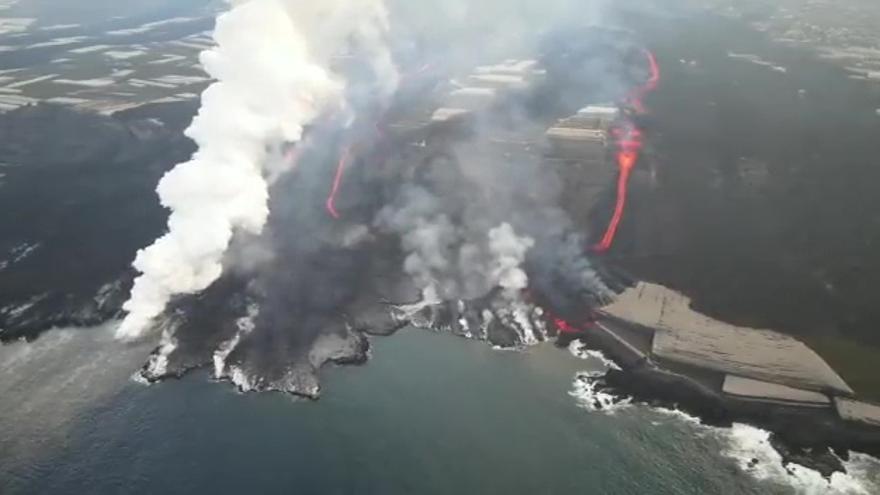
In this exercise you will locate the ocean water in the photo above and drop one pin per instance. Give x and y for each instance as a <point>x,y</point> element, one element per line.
<point>430,413</point>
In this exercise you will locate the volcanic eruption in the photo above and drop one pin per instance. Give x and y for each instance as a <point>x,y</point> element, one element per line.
<point>325,205</point>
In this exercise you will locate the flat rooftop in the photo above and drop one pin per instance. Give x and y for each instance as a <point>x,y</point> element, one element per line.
<point>756,390</point>
<point>860,412</point>
<point>576,134</point>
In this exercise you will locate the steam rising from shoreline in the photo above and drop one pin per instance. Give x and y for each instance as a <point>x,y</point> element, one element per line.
<point>272,64</point>
<point>454,261</point>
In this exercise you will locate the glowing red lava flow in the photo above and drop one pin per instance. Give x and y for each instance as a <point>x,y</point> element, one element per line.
<point>635,98</point>
<point>337,181</point>
<point>346,153</point>
<point>629,146</point>
<point>340,172</point>
<point>565,327</point>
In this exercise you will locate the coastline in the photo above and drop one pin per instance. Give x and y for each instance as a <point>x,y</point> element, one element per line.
<point>813,433</point>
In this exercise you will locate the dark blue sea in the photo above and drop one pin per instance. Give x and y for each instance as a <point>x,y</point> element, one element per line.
<point>430,413</point>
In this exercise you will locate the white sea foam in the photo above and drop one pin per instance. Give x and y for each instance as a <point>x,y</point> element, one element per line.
<point>586,383</point>
<point>746,444</point>
<point>579,350</point>
<point>679,415</point>
<point>742,443</point>
<point>586,391</point>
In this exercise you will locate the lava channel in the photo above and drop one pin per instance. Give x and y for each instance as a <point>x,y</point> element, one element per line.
<point>628,139</point>
<point>337,181</point>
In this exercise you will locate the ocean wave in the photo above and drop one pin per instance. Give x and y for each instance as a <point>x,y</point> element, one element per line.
<point>747,445</point>
<point>678,414</point>
<point>580,350</point>
<point>587,384</point>
<point>590,396</point>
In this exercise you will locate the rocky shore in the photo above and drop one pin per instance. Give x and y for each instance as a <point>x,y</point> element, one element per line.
<point>816,439</point>
<point>818,434</point>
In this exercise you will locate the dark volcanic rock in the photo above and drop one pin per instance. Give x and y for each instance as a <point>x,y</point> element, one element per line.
<point>494,318</point>
<point>375,318</point>
<point>500,334</point>
<point>77,192</point>
<point>821,459</point>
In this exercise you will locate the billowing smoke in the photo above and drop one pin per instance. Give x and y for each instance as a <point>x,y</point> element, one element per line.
<point>272,64</point>
<point>444,215</point>
<point>508,252</point>
<point>323,236</point>
<point>472,222</point>
<point>450,261</point>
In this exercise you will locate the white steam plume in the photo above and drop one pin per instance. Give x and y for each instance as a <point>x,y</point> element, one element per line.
<point>272,64</point>
<point>508,254</point>
<point>448,261</point>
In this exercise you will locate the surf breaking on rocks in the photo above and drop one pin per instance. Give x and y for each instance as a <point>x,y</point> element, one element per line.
<point>749,447</point>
